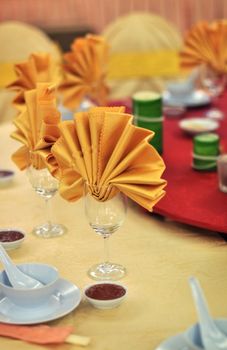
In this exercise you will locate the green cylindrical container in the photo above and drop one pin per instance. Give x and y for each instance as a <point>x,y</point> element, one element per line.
<point>147,110</point>
<point>206,150</point>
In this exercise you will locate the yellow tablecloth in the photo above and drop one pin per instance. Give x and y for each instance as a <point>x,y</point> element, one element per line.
<point>159,255</point>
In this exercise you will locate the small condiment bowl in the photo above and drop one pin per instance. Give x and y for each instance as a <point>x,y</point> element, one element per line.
<point>6,177</point>
<point>46,274</point>
<point>105,295</point>
<point>11,237</point>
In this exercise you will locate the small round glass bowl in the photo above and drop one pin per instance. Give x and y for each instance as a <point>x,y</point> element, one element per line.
<point>6,177</point>
<point>11,237</point>
<point>27,297</point>
<point>105,295</point>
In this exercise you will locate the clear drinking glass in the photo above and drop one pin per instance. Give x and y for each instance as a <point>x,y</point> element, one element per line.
<point>212,81</point>
<point>46,186</point>
<point>105,218</point>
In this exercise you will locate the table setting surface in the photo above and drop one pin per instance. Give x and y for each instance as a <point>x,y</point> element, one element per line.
<point>159,256</point>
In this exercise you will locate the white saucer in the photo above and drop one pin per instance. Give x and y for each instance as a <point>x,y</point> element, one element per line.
<point>65,300</point>
<point>197,98</point>
<point>198,125</point>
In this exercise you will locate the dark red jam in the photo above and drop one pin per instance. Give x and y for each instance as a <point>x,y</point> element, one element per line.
<point>5,173</point>
<point>10,236</point>
<point>105,291</point>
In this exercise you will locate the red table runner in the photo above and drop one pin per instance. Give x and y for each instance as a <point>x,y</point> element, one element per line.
<point>192,197</point>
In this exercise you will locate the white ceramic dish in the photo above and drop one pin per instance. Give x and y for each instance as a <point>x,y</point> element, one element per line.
<point>16,243</point>
<point>190,339</point>
<point>46,274</point>
<point>6,177</point>
<point>65,300</point>
<point>105,304</point>
<point>197,98</point>
<point>198,125</point>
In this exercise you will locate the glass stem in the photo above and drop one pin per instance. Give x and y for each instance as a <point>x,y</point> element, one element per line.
<point>48,212</point>
<point>106,249</point>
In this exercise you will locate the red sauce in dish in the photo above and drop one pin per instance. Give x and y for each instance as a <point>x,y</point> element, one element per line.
<point>105,291</point>
<point>5,173</point>
<point>10,236</point>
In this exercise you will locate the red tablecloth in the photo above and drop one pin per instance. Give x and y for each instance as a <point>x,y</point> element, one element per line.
<point>192,197</point>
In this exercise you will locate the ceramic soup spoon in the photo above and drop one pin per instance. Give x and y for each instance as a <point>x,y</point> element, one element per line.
<point>17,278</point>
<point>212,337</point>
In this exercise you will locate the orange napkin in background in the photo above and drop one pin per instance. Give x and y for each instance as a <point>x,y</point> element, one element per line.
<point>40,67</point>
<point>206,43</point>
<point>85,71</point>
<point>104,148</point>
<point>37,126</point>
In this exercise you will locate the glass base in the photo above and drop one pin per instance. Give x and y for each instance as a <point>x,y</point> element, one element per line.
<point>49,230</point>
<point>107,272</point>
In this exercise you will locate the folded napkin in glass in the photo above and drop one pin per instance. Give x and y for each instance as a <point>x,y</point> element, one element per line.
<point>36,126</point>
<point>104,149</point>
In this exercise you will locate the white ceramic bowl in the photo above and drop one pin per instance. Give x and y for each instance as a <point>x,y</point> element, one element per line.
<point>193,336</point>
<point>11,237</point>
<point>105,295</point>
<point>46,274</point>
<point>6,177</point>
<point>196,126</point>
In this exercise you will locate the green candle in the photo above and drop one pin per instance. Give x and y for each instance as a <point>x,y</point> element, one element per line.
<point>147,110</point>
<point>206,150</point>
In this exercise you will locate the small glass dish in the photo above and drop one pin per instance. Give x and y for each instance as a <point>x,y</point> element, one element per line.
<point>105,295</point>
<point>6,177</point>
<point>11,237</point>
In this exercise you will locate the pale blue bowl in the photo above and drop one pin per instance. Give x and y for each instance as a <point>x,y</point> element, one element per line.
<point>46,274</point>
<point>193,335</point>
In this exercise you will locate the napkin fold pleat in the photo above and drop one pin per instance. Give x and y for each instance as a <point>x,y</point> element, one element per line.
<point>37,127</point>
<point>103,149</point>
<point>84,70</point>
<point>39,68</point>
<point>206,43</point>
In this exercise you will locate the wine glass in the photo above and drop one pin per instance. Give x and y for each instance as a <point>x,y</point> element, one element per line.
<point>105,218</point>
<point>213,82</point>
<point>46,186</point>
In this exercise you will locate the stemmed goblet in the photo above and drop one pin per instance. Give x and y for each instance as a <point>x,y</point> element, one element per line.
<point>46,186</point>
<point>105,218</point>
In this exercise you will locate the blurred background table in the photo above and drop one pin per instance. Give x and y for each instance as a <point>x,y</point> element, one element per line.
<point>159,255</point>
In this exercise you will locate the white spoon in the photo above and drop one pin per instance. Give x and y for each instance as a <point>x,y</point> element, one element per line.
<point>212,337</point>
<point>17,278</point>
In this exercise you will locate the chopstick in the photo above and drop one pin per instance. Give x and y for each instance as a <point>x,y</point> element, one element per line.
<point>78,340</point>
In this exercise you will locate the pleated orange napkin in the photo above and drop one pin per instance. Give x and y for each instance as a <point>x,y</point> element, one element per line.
<point>104,148</point>
<point>206,43</point>
<point>40,67</point>
<point>85,71</point>
<point>36,126</point>
<point>43,334</point>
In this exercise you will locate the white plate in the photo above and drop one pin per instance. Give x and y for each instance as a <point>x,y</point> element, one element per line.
<point>66,299</point>
<point>198,125</point>
<point>197,98</point>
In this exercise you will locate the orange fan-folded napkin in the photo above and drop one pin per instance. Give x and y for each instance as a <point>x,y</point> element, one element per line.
<point>37,127</point>
<point>206,43</point>
<point>103,148</point>
<point>40,67</point>
<point>85,71</point>
<point>43,334</point>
